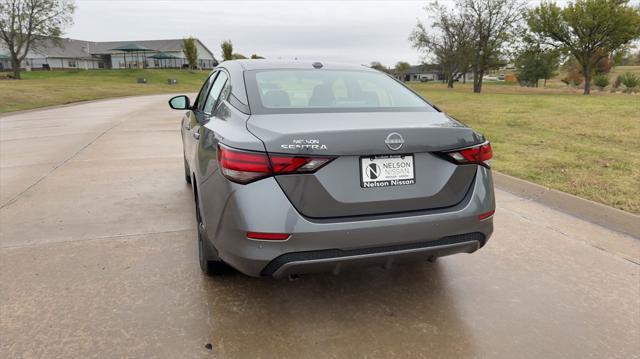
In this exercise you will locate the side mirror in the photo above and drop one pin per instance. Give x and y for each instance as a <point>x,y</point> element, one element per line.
<point>180,103</point>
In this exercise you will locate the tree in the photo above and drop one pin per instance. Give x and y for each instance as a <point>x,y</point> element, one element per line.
<point>190,50</point>
<point>401,68</point>
<point>534,63</point>
<point>255,56</point>
<point>227,50</point>
<point>25,23</point>
<point>495,23</point>
<point>451,45</point>
<point>589,30</point>
<point>378,66</point>
<point>628,58</point>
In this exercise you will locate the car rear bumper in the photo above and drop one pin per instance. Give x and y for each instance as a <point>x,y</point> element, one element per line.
<point>336,244</point>
<point>336,260</point>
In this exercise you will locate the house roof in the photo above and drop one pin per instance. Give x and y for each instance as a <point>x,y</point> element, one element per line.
<point>64,48</point>
<point>423,69</point>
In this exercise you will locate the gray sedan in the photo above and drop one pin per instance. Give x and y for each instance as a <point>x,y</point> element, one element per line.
<point>301,167</point>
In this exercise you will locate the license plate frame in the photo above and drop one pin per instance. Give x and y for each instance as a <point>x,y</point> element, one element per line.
<point>400,170</point>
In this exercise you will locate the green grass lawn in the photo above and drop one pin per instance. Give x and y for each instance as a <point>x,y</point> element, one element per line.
<point>584,145</point>
<point>46,88</point>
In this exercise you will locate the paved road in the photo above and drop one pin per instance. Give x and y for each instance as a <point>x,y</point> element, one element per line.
<point>98,259</point>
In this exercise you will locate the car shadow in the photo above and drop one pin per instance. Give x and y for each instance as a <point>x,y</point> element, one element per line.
<point>407,310</point>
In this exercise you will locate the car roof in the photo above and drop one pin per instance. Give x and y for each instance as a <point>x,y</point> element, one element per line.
<point>263,64</point>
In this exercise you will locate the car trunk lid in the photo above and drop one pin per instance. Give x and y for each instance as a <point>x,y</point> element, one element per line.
<point>339,189</point>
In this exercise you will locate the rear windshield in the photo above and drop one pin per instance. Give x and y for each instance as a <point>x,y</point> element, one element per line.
<point>291,91</point>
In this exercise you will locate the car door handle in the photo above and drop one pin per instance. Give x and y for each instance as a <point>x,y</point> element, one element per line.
<point>196,135</point>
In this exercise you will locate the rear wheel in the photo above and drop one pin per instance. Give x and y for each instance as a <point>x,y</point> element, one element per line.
<point>210,264</point>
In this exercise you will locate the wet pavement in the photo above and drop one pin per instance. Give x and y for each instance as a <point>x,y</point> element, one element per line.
<point>98,259</point>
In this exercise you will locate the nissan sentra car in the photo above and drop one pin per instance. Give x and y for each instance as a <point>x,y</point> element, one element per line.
<point>301,167</point>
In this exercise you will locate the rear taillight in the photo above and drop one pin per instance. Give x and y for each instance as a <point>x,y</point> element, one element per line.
<point>248,166</point>
<point>486,215</point>
<point>480,154</point>
<point>268,236</point>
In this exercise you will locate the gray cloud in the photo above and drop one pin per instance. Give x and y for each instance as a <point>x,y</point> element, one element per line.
<point>345,31</point>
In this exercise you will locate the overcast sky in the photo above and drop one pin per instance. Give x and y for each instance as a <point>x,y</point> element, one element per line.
<point>345,31</point>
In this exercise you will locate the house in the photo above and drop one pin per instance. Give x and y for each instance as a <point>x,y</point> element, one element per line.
<point>424,72</point>
<point>429,72</point>
<point>4,62</point>
<point>81,54</point>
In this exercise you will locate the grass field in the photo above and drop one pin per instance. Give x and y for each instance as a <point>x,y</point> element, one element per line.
<point>584,145</point>
<point>619,70</point>
<point>45,88</point>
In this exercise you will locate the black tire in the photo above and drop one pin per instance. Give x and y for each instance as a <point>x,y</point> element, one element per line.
<point>209,262</point>
<point>187,172</point>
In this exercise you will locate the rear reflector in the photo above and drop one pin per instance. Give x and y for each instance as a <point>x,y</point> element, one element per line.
<point>486,215</point>
<point>480,155</point>
<point>268,236</point>
<point>247,166</point>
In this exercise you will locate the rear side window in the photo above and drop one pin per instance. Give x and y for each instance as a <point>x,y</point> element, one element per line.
<point>286,91</point>
<point>214,94</point>
<point>202,95</point>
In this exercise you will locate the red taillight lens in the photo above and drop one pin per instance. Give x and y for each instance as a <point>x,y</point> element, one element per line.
<point>486,215</point>
<point>297,164</point>
<point>268,236</point>
<point>243,166</point>
<point>243,161</point>
<point>480,154</point>
<point>247,166</point>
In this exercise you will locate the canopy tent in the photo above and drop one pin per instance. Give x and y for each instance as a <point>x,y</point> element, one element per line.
<point>133,48</point>
<point>164,57</point>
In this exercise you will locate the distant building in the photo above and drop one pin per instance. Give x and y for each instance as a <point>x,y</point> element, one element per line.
<point>4,62</point>
<point>428,72</point>
<point>425,72</point>
<point>80,54</point>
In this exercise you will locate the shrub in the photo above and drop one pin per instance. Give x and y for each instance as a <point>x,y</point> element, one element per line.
<point>601,81</point>
<point>630,81</point>
<point>572,81</point>
<point>510,78</point>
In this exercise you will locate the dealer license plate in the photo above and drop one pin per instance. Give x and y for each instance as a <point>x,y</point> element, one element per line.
<point>387,171</point>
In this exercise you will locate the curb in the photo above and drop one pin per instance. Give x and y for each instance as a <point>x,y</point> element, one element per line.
<point>605,216</point>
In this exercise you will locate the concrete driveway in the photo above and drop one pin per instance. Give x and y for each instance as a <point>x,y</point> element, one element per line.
<point>98,259</point>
